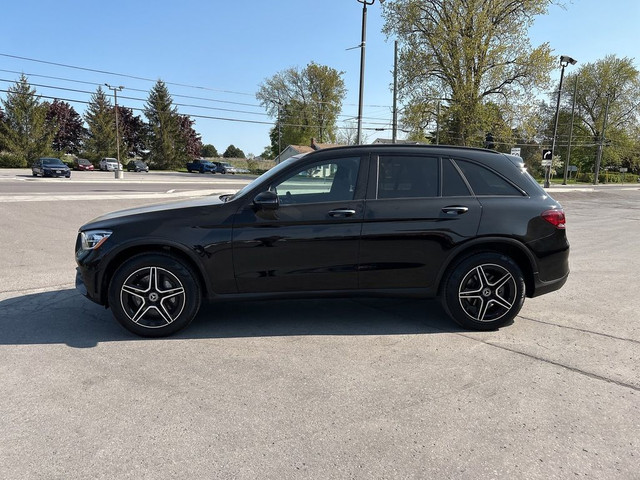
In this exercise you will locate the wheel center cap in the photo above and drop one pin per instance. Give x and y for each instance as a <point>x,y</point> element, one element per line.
<point>486,292</point>
<point>153,296</point>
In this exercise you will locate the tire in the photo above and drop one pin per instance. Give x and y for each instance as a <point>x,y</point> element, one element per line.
<point>484,291</point>
<point>154,295</point>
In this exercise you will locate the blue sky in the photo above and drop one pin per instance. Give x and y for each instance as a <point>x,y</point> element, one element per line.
<point>220,51</point>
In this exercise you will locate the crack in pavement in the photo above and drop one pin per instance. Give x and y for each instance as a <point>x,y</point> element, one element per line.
<point>557,364</point>
<point>583,330</point>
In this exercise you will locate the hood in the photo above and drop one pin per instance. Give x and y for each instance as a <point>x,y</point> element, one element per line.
<point>209,200</point>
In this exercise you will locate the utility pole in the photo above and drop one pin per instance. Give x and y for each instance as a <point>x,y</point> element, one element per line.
<point>118,173</point>
<point>279,134</point>
<point>395,93</point>
<point>604,126</point>
<point>438,124</point>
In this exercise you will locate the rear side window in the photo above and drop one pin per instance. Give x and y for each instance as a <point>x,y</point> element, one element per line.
<point>485,182</point>
<point>407,177</point>
<point>452,183</point>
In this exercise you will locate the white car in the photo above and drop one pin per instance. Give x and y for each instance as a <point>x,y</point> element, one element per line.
<point>109,164</point>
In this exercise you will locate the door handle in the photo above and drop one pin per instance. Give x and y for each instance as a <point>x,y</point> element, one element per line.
<point>342,212</point>
<point>455,210</point>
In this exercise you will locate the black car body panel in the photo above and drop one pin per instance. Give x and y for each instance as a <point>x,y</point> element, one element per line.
<point>360,227</point>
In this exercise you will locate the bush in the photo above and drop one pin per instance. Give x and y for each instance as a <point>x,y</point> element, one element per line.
<point>8,160</point>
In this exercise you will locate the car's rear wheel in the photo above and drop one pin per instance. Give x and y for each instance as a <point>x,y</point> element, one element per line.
<point>154,295</point>
<point>484,291</point>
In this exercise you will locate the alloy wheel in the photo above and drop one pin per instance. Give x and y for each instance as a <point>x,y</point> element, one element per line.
<point>487,292</point>
<point>152,297</point>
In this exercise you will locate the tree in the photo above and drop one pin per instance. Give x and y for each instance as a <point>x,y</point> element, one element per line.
<point>233,152</point>
<point>612,86</point>
<point>24,131</point>
<point>100,118</point>
<point>305,103</point>
<point>68,127</point>
<point>165,135</point>
<point>133,132</point>
<point>465,53</point>
<point>209,151</point>
<point>191,144</point>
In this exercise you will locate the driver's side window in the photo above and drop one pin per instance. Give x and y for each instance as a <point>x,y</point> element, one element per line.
<point>330,181</point>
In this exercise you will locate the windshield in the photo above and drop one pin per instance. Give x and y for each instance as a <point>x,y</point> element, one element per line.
<point>52,161</point>
<point>265,177</point>
<point>82,161</point>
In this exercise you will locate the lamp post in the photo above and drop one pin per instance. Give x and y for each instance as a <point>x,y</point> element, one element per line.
<point>573,111</point>
<point>118,173</point>
<point>364,3</point>
<point>564,61</point>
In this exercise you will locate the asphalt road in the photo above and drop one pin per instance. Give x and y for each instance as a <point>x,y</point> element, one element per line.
<point>368,388</point>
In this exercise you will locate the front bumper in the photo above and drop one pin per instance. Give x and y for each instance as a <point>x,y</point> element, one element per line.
<point>85,285</point>
<point>56,173</point>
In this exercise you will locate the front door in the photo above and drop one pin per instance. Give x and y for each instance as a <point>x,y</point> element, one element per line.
<point>310,242</point>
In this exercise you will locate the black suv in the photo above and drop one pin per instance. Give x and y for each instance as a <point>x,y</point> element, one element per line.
<point>468,225</point>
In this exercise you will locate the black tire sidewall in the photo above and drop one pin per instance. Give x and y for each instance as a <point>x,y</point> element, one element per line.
<point>193,295</point>
<point>450,299</point>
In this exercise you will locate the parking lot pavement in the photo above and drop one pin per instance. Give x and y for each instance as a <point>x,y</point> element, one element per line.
<point>346,388</point>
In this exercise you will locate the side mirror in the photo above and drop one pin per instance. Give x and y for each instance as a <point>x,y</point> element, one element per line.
<point>267,201</point>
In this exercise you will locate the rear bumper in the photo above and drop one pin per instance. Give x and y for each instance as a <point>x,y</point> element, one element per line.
<point>542,287</point>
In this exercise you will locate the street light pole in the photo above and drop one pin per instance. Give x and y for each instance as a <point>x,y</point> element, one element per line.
<point>119,173</point>
<point>573,111</point>
<point>564,61</point>
<point>364,3</point>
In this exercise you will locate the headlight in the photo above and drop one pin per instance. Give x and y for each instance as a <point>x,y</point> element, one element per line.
<point>92,239</point>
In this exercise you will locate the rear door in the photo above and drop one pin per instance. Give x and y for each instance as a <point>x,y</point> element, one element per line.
<point>418,208</point>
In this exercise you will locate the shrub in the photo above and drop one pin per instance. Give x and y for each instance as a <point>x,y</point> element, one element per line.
<point>9,160</point>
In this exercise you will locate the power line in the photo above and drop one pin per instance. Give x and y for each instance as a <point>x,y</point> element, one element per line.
<point>137,99</point>
<point>124,75</point>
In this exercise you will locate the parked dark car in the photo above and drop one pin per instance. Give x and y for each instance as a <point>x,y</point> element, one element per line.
<point>82,164</point>
<point>202,166</point>
<point>50,167</point>
<point>468,225</point>
<point>137,166</point>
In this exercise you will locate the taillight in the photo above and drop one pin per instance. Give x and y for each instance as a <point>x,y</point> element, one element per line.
<point>554,217</point>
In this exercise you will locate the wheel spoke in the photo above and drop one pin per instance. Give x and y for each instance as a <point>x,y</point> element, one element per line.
<point>502,302</point>
<point>166,316</point>
<point>131,290</point>
<point>501,282</point>
<point>171,292</point>
<point>140,313</point>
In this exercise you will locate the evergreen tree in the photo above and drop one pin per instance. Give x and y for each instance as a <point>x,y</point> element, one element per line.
<point>100,118</point>
<point>24,132</point>
<point>166,145</point>
<point>233,152</point>
<point>209,151</point>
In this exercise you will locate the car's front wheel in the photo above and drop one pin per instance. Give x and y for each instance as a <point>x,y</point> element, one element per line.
<point>484,291</point>
<point>154,295</point>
